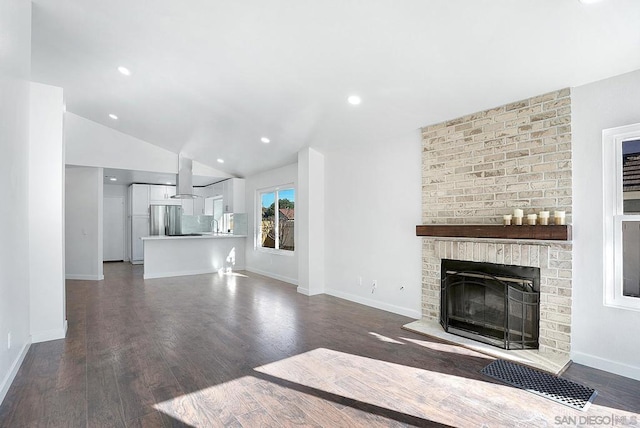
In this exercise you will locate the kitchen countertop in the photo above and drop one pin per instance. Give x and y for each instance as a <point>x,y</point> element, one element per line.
<point>203,236</point>
<point>166,256</point>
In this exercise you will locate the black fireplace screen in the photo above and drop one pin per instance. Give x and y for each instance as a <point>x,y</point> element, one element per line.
<point>491,303</point>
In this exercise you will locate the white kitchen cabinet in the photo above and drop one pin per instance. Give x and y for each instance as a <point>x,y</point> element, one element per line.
<point>227,195</point>
<point>139,229</point>
<point>238,195</point>
<point>157,193</point>
<point>139,194</point>
<point>161,195</point>
<point>208,206</point>
<point>198,206</point>
<point>233,195</point>
<point>211,192</point>
<point>198,203</point>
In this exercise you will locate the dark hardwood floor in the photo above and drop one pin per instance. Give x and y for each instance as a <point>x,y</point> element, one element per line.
<point>245,350</point>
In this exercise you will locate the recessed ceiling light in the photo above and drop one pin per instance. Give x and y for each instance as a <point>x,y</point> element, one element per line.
<point>265,140</point>
<point>354,99</point>
<point>168,182</point>
<point>124,70</point>
<point>113,179</point>
<point>113,116</point>
<point>220,160</point>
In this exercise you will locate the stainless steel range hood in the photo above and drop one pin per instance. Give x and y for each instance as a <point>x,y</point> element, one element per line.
<point>184,179</point>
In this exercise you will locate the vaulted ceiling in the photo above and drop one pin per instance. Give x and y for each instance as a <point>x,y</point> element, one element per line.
<point>209,78</point>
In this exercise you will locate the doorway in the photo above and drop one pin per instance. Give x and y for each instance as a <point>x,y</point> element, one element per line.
<point>113,222</point>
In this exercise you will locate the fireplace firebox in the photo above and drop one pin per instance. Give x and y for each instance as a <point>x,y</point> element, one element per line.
<point>491,303</point>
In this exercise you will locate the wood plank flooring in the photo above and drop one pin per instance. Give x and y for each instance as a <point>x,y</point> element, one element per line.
<point>247,351</point>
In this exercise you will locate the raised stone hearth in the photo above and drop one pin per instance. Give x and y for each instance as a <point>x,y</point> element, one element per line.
<point>548,361</point>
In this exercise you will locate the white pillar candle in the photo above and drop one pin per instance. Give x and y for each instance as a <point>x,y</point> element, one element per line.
<point>559,217</point>
<point>531,219</point>
<point>543,217</point>
<point>518,212</point>
<point>506,219</point>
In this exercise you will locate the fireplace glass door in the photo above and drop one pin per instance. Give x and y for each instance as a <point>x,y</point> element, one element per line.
<point>499,310</point>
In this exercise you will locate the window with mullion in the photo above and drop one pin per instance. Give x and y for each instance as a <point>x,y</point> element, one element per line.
<point>276,219</point>
<point>621,184</point>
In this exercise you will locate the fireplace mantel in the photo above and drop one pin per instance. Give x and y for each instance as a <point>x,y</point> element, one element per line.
<point>546,233</point>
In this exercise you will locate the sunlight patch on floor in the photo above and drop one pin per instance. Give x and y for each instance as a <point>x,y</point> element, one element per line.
<point>444,347</point>
<point>241,275</point>
<point>385,338</point>
<point>326,385</point>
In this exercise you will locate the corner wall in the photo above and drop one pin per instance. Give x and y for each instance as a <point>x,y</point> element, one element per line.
<point>603,337</point>
<point>15,69</point>
<point>83,223</point>
<point>46,214</point>
<point>310,218</point>
<point>372,200</point>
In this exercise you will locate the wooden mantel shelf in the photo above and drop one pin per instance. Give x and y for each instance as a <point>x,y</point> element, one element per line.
<point>544,233</point>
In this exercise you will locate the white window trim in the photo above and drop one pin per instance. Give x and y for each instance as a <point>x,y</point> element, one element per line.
<point>257,225</point>
<point>614,215</point>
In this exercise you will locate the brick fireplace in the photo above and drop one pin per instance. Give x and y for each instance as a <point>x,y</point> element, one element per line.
<point>477,168</point>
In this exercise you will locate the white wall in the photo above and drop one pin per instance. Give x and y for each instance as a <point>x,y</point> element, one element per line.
<point>602,337</point>
<point>310,222</point>
<point>115,191</point>
<point>90,144</point>
<point>46,214</point>
<point>15,67</point>
<point>373,203</point>
<point>83,223</point>
<point>279,266</point>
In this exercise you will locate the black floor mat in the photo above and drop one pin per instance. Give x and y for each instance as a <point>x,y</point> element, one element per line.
<point>552,387</point>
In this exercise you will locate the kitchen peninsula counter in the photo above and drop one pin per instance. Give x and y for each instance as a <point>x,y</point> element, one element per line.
<point>167,256</point>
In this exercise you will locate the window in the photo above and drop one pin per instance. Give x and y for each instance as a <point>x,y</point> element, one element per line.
<point>276,219</point>
<point>621,180</point>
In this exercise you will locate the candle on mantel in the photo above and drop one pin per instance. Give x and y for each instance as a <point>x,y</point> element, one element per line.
<point>517,216</point>
<point>544,218</point>
<point>506,219</point>
<point>559,217</point>
<point>531,219</point>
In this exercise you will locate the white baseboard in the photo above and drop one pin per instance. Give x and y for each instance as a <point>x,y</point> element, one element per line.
<point>273,275</point>
<point>615,367</point>
<point>137,262</point>
<point>185,273</point>
<point>85,277</point>
<point>13,371</point>
<point>47,335</point>
<point>304,291</point>
<point>411,313</point>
